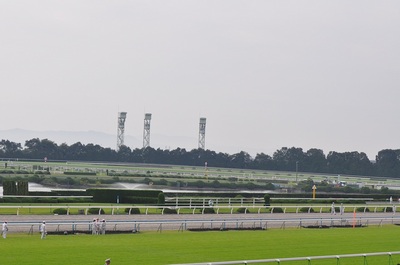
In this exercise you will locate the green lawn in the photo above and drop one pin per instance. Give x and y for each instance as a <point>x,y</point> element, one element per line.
<point>29,208</point>
<point>177,247</point>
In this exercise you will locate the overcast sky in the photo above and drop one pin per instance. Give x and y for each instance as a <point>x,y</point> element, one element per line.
<point>265,74</point>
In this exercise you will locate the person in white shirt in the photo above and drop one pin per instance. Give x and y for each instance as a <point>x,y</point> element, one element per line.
<point>4,229</point>
<point>98,226</point>
<point>94,226</point>
<point>43,230</point>
<point>103,227</point>
<point>108,261</point>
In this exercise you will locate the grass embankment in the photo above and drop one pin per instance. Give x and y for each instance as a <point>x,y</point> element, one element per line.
<point>175,247</point>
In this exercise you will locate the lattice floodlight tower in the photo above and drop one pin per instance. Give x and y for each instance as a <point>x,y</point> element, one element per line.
<point>121,129</point>
<point>202,133</point>
<point>146,130</point>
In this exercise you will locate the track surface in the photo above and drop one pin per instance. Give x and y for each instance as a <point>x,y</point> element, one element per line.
<point>158,222</point>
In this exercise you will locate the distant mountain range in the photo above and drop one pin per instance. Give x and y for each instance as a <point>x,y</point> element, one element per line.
<point>100,138</point>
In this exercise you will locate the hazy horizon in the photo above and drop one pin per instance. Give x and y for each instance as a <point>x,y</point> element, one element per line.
<point>265,74</point>
<point>109,141</point>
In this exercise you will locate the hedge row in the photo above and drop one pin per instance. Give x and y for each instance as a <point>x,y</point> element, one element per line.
<point>79,173</point>
<point>139,200</point>
<point>59,193</point>
<point>9,171</point>
<point>44,200</point>
<point>124,196</point>
<point>132,210</point>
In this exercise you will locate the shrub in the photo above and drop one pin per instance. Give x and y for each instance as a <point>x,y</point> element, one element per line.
<point>306,209</point>
<point>162,182</point>
<point>60,211</point>
<point>21,172</point>
<point>79,173</point>
<point>95,211</point>
<point>267,199</point>
<point>5,171</point>
<point>46,200</point>
<point>161,198</point>
<point>242,210</point>
<point>40,172</point>
<point>169,211</point>
<point>389,209</point>
<point>277,210</point>
<point>361,210</point>
<point>133,210</point>
<point>208,210</point>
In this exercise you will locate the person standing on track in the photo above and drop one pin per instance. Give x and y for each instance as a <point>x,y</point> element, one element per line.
<point>103,226</point>
<point>43,230</point>
<point>4,229</point>
<point>94,226</point>
<point>98,226</point>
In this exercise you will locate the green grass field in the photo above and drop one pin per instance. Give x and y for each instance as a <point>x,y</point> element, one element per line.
<point>184,247</point>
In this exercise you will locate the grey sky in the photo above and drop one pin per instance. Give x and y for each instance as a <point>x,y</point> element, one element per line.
<point>265,74</point>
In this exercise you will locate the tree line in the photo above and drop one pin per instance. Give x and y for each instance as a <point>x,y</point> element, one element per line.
<point>386,164</point>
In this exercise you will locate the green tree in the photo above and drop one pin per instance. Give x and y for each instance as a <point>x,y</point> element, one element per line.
<point>286,158</point>
<point>306,185</point>
<point>263,161</point>
<point>387,163</point>
<point>241,160</point>
<point>314,161</point>
<point>10,149</point>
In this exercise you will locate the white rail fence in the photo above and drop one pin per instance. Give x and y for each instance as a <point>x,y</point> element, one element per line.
<point>363,260</point>
<point>200,224</point>
<point>252,201</point>
<point>119,209</point>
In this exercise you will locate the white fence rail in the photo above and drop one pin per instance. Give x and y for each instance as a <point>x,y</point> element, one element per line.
<point>252,201</point>
<point>159,225</point>
<point>309,260</point>
<point>120,209</point>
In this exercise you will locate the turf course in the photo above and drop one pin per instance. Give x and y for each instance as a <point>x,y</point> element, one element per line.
<point>176,247</point>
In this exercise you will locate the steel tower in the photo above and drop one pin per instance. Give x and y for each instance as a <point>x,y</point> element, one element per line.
<point>121,129</point>
<point>146,131</point>
<point>202,133</point>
